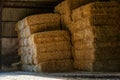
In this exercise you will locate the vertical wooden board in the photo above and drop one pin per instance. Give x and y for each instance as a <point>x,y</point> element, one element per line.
<point>9,45</point>
<point>8,29</point>
<point>16,14</point>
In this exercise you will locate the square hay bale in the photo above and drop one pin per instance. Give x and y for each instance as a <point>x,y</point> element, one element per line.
<point>50,66</point>
<point>42,19</point>
<point>50,36</point>
<point>98,13</point>
<point>62,8</point>
<point>83,65</point>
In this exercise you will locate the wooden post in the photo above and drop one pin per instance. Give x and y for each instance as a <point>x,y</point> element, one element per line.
<point>1,6</point>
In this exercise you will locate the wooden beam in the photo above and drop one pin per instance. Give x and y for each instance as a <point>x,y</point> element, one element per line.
<point>1,6</point>
<point>32,4</point>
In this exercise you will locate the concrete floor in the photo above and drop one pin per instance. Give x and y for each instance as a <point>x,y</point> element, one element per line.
<point>58,76</point>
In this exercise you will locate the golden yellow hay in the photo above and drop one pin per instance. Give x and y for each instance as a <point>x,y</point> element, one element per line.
<point>85,34</point>
<point>55,66</point>
<point>53,44</point>
<point>42,18</point>
<point>83,65</point>
<point>50,35</point>
<point>65,21</point>
<point>48,51</point>
<point>59,49</point>
<point>41,21</point>
<point>62,8</point>
<point>27,31</point>
<point>100,12</point>
<point>84,44</point>
<point>50,66</point>
<point>49,56</point>
<point>81,31</point>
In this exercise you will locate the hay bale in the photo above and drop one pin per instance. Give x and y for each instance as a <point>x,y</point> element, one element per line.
<point>107,66</point>
<point>97,13</point>
<point>50,66</point>
<point>47,37</point>
<point>42,19</point>
<point>83,65</point>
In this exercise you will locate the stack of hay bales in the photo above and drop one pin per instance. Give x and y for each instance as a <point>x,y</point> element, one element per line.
<point>43,51</point>
<point>95,36</point>
<point>49,52</point>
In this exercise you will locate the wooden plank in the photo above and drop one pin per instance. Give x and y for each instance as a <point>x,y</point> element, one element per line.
<point>16,14</point>
<point>8,29</point>
<point>32,4</point>
<point>1,6</point>
<point>36,0</point>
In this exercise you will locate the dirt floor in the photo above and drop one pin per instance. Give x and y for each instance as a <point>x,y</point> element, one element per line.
<point>58,76</point>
